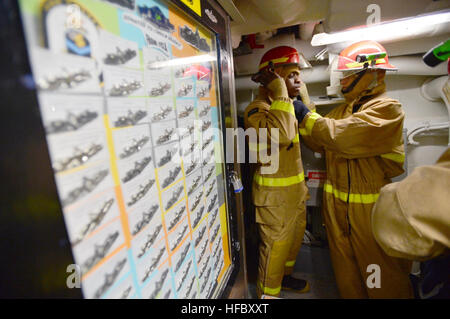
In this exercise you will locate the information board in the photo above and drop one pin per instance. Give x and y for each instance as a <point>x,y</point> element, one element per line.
<point>128,94</point>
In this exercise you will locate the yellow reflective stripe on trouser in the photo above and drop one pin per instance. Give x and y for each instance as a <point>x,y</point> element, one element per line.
<point>353,198</point>
<point>270,291</point>
<point>290,263</point>
<point>399,158</point>
<point>279,181</point>
<point>282,106</point>
<point>309,124</point>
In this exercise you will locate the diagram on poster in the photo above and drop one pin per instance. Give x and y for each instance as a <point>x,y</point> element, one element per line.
<point>128,99</point>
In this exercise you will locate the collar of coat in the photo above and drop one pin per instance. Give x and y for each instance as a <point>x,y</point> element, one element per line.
<point>365,96</point>
<point>265,95</point>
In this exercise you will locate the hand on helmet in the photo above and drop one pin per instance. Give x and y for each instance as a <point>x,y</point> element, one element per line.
<point>265,77</point>
<point>272,81</point>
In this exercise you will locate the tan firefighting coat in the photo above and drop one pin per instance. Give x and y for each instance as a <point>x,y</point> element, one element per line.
<point>411,218</point>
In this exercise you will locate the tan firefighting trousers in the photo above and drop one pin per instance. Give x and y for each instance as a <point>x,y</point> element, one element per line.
<point>361,267</point>
<point>281,240</point>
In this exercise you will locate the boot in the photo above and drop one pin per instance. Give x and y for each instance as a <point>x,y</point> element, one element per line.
<point>294,284</point>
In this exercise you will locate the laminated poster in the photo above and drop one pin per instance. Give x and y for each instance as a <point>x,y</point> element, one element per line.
<point>128,98</point>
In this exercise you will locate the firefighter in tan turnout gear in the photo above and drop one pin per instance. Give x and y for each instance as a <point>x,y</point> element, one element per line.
<point>280,195</point>
<point>362,142</point>
<point>411,220</point>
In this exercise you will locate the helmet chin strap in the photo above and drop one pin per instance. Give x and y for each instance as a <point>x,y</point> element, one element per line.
<point>374,82</point>
<point>354,94</point>
<point>355,81</point>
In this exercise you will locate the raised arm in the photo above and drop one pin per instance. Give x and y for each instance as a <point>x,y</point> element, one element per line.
<point>373,131</point>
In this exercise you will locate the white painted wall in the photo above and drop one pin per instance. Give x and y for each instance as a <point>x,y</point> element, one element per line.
<point>418,110</point>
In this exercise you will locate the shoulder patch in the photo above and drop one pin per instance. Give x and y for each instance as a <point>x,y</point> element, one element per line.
<point>252,111</point>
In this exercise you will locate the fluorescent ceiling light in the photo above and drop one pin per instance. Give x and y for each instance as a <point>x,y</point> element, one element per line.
<point>422,25</point>
<point>182,61</point>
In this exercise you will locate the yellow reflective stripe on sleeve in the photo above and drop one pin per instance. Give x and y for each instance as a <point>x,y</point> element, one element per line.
<point>399,158</point>
<point>270,291</point>
<point>302,131</point>
<point>255,147</point>
<point>290,263</point>
<point>278,181</point>
<point>282,106</point>
<point>310,123</point>
<point>296,139</point>
<point>353,198</point>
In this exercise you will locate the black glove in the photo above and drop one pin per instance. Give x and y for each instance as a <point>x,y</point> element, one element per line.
<point>300,110</point>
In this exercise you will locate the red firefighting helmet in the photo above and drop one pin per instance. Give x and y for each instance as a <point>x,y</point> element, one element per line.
<point>364,54</point>
<point>281,56</point>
